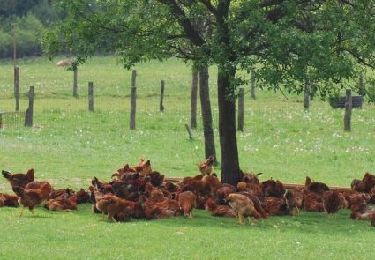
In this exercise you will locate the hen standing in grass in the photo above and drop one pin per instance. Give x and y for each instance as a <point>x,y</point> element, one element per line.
<point>19,179</point>
<point>32,197</point>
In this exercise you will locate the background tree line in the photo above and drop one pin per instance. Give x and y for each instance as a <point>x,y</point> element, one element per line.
<point>29,19</point>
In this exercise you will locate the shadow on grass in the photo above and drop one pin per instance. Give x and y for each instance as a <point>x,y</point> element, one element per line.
<point>306,222</point>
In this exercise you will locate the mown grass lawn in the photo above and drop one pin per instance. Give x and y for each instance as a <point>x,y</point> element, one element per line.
<point>83,235</point>
<point>69,145</point>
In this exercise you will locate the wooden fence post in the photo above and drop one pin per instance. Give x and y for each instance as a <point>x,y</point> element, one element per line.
<point>306,94</point>
<point>30,110</point>
<point>194,98</point>
<point>17,87</point>
<point>91,96</point>
<point>241,109</point>
<point>252,84</point>
<point>133,101</point>
<point>161,95</point>
<point>348,111</point>
<point>75,83</point>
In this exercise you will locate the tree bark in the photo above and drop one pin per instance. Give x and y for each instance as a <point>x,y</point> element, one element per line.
<point>194,97</point>
<point>241,109</point>
<point>230,169</point>
<point>253,85</point>
<point>306,91</point>
<point>204,95</point>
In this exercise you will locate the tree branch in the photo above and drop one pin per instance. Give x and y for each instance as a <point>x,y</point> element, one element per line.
<point>186,24</point>
<point>359,58</point>
<point>210,6</point>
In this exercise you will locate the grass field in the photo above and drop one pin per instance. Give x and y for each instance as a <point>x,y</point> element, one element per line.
<point>69,145</point>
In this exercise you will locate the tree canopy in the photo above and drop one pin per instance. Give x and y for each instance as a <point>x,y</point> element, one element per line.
<point>286,41</point>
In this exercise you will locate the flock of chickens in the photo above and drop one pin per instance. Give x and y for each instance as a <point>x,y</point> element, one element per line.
<point>141,193</point>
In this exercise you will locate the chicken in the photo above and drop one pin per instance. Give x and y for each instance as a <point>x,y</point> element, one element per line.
<point>60,193</point>
<point>219,210</point>
<point>198,187</point>
<point>223,192</point>
<point>36,185</point>
<point>317,187</point>
<point>243,206</point>
<point>333,201</point>
<point>252,188</point>
<point>83,196</point>
<point>8,200</point>
<point>144,167</point>
<point>201,202</point>
<point>103,187</point>
<point>32,197</point>
<point>187,179</point>
<point>372,196</point>
<point>294,200</point>
<point>187,201</point>
<point>118,209</point>
<point>275,206</point>
<point>122,172</point>
<point>206,167</point>
<point>164,209</point>
<point>273,188</point>
<point>250,177</point>
<point>156,178</point>
<point>101,204</point>
<point>369,182</point>
<point>19,179</point>
<point>212,182</point>
<point>358,185</point>
<point>65,203</point>
<point>358,203</point>
<point>170,186</point>
<point>312,202</point>
<point>257,203</point>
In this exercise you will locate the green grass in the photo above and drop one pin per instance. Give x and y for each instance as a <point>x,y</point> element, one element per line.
<point>83,235</point>
<point>68,146</point>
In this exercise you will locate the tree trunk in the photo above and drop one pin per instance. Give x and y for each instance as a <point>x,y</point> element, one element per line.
<point>253,84</point>
<point>194,97</point>
<point>306,91</point>
<point>230,169</point>
<point>241,109</point>
<point>204,94</point>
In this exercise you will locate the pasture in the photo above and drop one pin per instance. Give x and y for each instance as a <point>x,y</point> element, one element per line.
<point>69,145</point>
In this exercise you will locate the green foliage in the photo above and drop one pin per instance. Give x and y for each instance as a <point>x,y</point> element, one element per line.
<point>286,41</point>
<point>16,8</point>
<point>29,31</point>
